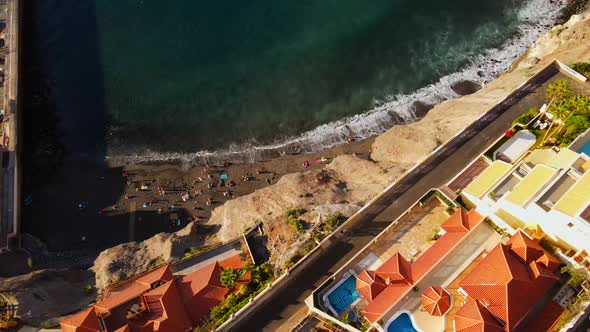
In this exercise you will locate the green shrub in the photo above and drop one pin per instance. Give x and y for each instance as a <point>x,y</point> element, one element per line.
<point>293,219</point>
<point>333,221</point>
<point>577,275</point>
<point>365,325</point>
<point>527,117</point>
<point>558,91</point>
<point>297,224</point>
<point>309,247</point>
<point>295,213</point>
<point>191,252</point>
<point>261,274</point>
<point>229,277</point>
<point>582,68</point>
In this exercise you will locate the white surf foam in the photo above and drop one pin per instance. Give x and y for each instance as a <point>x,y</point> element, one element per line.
<point>537,17</point>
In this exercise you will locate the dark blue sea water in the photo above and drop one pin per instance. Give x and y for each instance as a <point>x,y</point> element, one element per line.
<point>145,79</point>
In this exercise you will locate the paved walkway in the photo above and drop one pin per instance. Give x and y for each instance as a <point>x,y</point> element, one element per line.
<point>434,172</point>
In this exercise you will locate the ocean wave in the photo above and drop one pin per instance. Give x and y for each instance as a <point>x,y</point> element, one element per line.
<point>535,17</point>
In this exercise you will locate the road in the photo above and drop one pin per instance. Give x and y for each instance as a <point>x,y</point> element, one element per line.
<point>275,313</point>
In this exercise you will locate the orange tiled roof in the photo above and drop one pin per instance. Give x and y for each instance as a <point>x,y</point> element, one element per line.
<point>234,262</point>
<point>436,300</point>
<point>84,321</point>
<point>202,290</point>
<point>369,285</point>
<point>525,247</point>
<point>161,273</point>
<point>549,261</point>
<point>115,300</point>
<point>506,284</point>
<point>165,311</point>
<point>474,317</point>
<point>395,270</point>
<point>160,302</point>
<point>402,274</point>
<point>545,319</point>
<point>124,328</point>
<point>385,300</point>
<point>462,221</point>
<point>435,253</point>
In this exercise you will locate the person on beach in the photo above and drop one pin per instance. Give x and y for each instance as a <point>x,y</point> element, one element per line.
<point>185,197</point>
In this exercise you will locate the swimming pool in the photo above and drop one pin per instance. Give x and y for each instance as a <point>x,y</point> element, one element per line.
<point>402,323</point>
<point>585,149</point>
<point>343,295</point>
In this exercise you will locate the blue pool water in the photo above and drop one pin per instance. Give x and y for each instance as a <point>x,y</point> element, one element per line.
<point>402,323</point>
<point>585,148</point>
<point>344,295</point>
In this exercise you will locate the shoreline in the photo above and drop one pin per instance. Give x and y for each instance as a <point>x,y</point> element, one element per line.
<point>395,110</point>
<point>109,190</point>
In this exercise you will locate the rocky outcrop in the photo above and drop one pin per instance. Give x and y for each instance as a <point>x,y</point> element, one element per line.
<point>130,259</point>
<point>46,294</point>
<point>567,42</point>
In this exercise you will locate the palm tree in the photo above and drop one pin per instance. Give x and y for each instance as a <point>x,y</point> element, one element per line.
<point>558,92</point>
<point>261,273</point>
<point>561,112</point>
<point>229,277</point>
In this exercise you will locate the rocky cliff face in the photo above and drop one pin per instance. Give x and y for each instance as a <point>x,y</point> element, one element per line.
<point>393,153</point>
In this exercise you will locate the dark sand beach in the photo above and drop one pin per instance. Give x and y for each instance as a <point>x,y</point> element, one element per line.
<point>96,204</point>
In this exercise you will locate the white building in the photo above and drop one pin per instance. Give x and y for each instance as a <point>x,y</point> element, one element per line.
<point>548,192</point>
